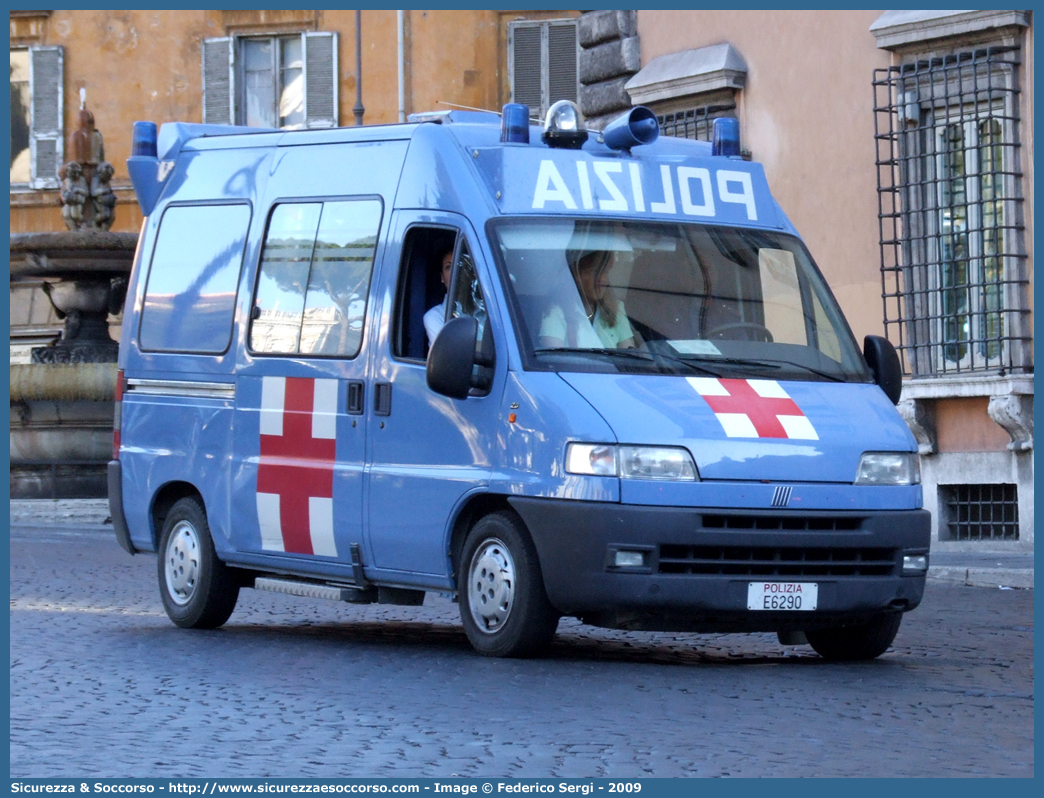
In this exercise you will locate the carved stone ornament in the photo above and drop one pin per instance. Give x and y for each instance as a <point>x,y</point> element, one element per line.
<point>920,418</point>
<point>87,199</point>
<point>1015,414</point>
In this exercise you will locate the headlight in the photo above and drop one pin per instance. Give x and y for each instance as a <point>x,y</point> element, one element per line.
<point>631,462</point>
<point>592,459</point>
<point>656,462</point>
<point>889,468</point>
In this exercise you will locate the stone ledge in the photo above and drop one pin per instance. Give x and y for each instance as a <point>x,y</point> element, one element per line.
<point>895,29</point>
<point>964,386</point>
<point>690,72</point>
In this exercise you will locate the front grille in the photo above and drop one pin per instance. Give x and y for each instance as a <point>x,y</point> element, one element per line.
<point>800,522</point>
<point>776,561</point>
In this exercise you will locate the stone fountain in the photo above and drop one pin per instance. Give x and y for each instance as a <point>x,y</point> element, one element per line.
<point>62,401</point>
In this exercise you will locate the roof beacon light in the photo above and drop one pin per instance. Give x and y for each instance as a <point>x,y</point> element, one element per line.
<point>637,126</point>
<point>726,139</point>
<point>143,139</point>
<point>514,124</point>
<point>143,166</point>
<point>564,126</point>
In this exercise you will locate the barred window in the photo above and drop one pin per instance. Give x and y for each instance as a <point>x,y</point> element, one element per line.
<point>950,210</point>
<point>695,123</point>
<point>980,512</point>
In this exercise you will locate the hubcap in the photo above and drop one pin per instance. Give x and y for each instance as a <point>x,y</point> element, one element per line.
<point>491,585</point>
<point>182,562</point>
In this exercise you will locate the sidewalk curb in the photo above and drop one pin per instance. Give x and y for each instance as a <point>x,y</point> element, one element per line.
<point>983,577</point>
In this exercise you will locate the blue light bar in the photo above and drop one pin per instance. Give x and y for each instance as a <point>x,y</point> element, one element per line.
<point>726,139</point>
<point>514,124</point>
<point>143,139</point>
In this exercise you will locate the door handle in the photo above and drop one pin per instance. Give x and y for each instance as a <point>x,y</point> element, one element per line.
<point>382,395</point>
<point>356,392</point>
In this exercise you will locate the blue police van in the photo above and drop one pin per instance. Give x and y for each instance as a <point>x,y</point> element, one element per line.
<point>544,370</point>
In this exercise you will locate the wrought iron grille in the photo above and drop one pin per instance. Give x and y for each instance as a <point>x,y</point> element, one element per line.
<point>695,123</point>
<point>949,187</point>
<point>981,512</point>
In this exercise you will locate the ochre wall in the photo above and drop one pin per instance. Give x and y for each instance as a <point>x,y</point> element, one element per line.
<point>147,65</point>
<point>806,113</point>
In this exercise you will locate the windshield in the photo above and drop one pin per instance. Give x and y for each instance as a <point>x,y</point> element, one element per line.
<point>672,298</point>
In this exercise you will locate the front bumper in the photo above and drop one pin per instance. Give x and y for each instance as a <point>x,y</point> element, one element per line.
<point>699,563</point>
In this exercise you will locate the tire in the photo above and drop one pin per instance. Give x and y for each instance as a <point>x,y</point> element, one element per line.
<point>863,642</point>
<point>198,590</point>
<point>503,604</point>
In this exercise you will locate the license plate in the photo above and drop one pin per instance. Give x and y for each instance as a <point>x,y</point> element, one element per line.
<point>782,595</point>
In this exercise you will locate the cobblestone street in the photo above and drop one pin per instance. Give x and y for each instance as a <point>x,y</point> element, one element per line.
<point>103,684</point>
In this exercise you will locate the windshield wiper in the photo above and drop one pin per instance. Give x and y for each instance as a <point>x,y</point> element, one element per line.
<point>648,357</point>
<point>771,363</point>
<point>810,369</point>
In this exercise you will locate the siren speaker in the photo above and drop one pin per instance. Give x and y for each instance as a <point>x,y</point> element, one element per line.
<point>637,126</point>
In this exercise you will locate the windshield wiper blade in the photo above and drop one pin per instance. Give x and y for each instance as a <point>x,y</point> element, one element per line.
<point>649,357</point>
<point>588,350</point>
<point>772,363</point>
<point>812,370</point>
<point>731,361</point>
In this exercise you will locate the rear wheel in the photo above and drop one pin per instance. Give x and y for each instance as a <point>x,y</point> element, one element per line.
<point>198,590</point>
<point>861,642</point>
<point>503,605</point>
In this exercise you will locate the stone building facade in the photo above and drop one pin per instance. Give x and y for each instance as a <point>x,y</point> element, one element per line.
<point>901,144</point>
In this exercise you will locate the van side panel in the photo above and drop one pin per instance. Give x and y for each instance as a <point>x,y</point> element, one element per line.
<point>531,450</point>
<point>327,175</point>
<point>178,405</point>
<point>171,439</point>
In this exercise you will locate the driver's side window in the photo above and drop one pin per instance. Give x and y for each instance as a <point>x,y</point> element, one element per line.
<point>423,289</point>
<point>438,281</point>
<point>468,299</point>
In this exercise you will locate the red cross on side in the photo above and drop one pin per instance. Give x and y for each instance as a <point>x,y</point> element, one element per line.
<point>761,410</point>
<point>296,466</point>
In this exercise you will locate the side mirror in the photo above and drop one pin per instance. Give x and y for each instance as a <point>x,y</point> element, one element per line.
<point>452,358</point>
<point>883,361</point>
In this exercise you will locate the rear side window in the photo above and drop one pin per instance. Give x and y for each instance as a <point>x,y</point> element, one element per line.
<point>190,294</point>
<point>315,277</point>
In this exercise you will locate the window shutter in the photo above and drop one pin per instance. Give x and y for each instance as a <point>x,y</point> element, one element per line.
<point>524,50</point>
<point>46,145</point>
<point>219,81</point>
<point>320,67</point>
<point>561,62</point>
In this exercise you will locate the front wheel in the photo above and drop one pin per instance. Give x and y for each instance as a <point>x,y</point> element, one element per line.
<point>198,590</point>
<point>862,642</point>
<point>503,605</point>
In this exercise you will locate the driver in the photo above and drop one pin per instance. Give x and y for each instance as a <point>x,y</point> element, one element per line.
<point>599,320</point>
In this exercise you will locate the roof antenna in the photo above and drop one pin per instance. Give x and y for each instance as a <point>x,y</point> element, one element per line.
<point>466,107</point>
<point>484,110</point>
